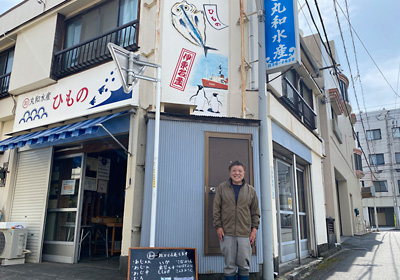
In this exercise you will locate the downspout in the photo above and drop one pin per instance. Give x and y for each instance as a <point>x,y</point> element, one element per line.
<point>242,68</point>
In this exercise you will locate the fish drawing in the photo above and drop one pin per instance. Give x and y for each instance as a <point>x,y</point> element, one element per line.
<point>190,23</point>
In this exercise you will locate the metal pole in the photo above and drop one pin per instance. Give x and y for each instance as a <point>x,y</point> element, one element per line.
<point>155,162</point>
<point>376,215</point>
<point>266,211</point>
<point>242,66</point>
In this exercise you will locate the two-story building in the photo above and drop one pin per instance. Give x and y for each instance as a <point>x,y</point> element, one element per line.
<point>80,149</point>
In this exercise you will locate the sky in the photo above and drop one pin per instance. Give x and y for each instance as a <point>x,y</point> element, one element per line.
<point>376,24</point>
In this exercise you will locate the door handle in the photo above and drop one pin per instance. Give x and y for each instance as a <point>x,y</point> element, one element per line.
<point>212,189</point>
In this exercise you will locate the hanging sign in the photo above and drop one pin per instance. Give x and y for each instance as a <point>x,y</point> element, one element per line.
<point>282,41</point>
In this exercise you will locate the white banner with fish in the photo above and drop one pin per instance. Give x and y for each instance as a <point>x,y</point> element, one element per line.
<point>92,91</point>
<point>195,55</point>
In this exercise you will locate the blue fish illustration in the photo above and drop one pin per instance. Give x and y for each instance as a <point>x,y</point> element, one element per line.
<point>101,90</point>
<point>93,101</point>
<point>190,23</point>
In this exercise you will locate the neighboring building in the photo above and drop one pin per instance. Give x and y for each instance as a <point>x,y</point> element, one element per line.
<point>80,155</point>
<point>340,164</point>
<point>379,135</point>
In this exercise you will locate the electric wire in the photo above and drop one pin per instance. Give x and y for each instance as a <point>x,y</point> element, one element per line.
<point>370,56</point>
<point>335,70</point>
<point>352,78</point>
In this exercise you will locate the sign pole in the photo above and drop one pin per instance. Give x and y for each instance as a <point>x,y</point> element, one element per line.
<point>155,161</point>
<point>131,67</point>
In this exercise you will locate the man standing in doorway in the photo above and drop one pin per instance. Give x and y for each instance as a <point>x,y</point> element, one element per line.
<point>236,217</point>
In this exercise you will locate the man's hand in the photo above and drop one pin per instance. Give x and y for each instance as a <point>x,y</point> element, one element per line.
<point>220,233</point>
<point>253,235</point>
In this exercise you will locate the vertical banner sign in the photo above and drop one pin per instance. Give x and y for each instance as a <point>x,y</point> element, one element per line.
<point>282,42</point>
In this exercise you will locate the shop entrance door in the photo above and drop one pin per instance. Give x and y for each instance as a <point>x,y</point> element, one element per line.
<point>302,214</point>
<point>221,150</point>
<point>286,218</point>
<point>63,212</point>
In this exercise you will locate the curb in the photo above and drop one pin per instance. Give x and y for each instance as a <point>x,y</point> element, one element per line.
<point>302,271</point>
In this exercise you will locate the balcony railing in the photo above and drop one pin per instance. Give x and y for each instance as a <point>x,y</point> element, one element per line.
<point>299,106</point>
<point>4,83</point>
<point>94,52</point>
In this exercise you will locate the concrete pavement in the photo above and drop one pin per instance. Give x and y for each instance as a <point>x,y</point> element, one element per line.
<point>99,269</point>
<point>372,256</point>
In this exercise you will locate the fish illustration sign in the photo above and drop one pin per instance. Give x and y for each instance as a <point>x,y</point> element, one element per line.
<point>195,55</point>
<point>89,92</point>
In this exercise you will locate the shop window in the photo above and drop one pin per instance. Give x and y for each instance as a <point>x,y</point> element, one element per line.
<point>87,35</point>
<point>380,186</point>
<point>377,159</point>
<point>6,61</point>
<point>374,134</point>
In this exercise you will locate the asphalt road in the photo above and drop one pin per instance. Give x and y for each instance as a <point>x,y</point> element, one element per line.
<point>368,257</point>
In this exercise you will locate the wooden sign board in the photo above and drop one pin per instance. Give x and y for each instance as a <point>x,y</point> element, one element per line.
<point>162,264</point>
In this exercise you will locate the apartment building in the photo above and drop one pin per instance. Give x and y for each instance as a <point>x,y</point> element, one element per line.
<point>341,163</point>
<point>79,148</point>
<point>379,136</point>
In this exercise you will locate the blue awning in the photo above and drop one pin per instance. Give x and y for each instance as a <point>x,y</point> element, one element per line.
<point>56,133</point>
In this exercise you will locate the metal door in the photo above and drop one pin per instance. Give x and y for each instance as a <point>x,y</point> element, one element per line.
<point>221,150</point>
<point>63,211</point>
<point>30,196</point>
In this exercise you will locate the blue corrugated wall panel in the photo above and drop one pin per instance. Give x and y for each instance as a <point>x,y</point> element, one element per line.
<point>180,207</point>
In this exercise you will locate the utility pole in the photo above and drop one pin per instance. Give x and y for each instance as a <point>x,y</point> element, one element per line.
<point>389,145</point>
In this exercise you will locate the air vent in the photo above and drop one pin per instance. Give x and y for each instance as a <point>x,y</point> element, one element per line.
<point>2,242</point>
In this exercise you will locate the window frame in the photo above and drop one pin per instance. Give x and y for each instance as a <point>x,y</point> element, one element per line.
<point>4,74</point>
<point>375,162</point>
<point>372,133</point>
<point>397,157</point>
<point>89,10</point>
<point>378,186</point>
<point>394,129</point>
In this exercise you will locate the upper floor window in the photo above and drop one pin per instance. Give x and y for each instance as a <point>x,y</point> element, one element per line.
<point>88,34</point>
<point>396,132</point>
<point>100,20</point>
<point>380,186</point>
<point>397,155</point>
<point>307,94</point>
<point>299,98</point>
<point>358,162</point>
<point>374,134</point>
<point>377,159</point>
<point>6,61</point>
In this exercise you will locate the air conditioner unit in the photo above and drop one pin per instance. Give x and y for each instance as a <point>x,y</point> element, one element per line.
<point>13,243</point>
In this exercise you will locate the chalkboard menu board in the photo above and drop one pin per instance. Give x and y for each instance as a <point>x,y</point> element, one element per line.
<point>162,264</point>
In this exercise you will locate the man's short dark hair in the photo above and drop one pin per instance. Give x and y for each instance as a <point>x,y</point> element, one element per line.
<point>236,163</point>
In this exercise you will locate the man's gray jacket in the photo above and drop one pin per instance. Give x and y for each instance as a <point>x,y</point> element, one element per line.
<point>236,219</point>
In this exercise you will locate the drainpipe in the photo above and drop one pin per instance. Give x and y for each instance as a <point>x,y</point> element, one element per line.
<point>265,186</point>
<point>242,69</point>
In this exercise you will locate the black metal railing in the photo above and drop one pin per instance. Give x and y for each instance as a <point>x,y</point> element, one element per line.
<point>94,52</point>
<point>299,106</point>
<point>4,83</point>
